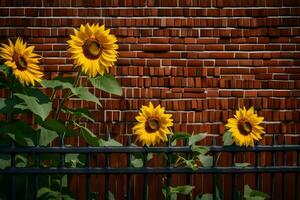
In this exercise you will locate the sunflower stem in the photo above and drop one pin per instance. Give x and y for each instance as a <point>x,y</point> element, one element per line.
<point>67,96</point>
<point>53,94</point>
<point>9,116</point>
<point>218,157</point>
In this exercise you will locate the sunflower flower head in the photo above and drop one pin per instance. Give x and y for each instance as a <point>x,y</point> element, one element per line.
<point>93,49</point>
<point>245,127</point>
<point>153,125</point>
<point>22,61</point>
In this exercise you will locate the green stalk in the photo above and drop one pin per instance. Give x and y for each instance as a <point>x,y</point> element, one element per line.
<point>61,104</point>
<point>9,116</point>
<point>218,157</point>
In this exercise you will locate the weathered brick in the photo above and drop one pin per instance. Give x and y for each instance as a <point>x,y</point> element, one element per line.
<point>190,56</point>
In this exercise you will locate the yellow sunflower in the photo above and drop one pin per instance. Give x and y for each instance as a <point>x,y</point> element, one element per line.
<point>23,61</point>
<point>245,127</point>
<point>93,48</point>
<point>153,125</point>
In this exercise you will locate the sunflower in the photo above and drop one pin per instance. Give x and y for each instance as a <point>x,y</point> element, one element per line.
<point>93,48</point>
<point>245,127</point>
<point>153,125</point>
<point>23,61</point>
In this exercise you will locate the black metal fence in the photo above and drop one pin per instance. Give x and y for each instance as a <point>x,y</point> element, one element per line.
<point>256,168</point>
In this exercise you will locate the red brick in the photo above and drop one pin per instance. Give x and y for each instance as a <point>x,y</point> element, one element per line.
<point>171,52</point>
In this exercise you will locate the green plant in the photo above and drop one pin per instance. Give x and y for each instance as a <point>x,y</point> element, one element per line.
<point>26,101</point>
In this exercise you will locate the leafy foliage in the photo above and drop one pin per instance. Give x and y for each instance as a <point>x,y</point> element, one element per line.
<point>137,159</point>
<point>242,165</point>
<point>32,104</point>
<point>82,92</point>
<point>79,113</point>
<point>46,136</point>
<point>107,83</point>
<point>227,138</point>
<point>250,194</point>
<point>206,160</point>
<point>204,197</point>
<point>20,132</point>
<point>196,138</point>
<point>172,192</point>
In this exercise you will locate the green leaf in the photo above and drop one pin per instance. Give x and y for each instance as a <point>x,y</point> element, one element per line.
<point>80,113</point>
<point>5,161</point>
<point>204,197</point>
<point>227,138</point>
<point>21,160</point>
<point>84,94</point>
<point>56,83</point>
<point>206,160</point>
<point>137,162</point>
<point>7,105</point>
<point>43,191</point>
<point>89,137</point>
<point>46,136</point>
<point>185,189</point>
<point>111,196</point>
<point>74,160</point>
<point>179,136</point>
<point>107,83</point>
<point>196,138</point>
<point>137,159</point>
<point>200,149</point>
<point>111,143</point>
<point>31,103</point>
<point>81,92</point>
<point>242,165</point>
<point>250,194</point>
<point>57,126</point>
<point>22,133</point>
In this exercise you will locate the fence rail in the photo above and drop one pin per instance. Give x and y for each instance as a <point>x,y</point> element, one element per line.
<point>145,170</point>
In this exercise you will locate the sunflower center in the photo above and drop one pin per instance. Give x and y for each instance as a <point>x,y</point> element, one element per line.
<point>20,62</point>
<point>152,125</point>
<point>92,49</point>
<point>244,127</point>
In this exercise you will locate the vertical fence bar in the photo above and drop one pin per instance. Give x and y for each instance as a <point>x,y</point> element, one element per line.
<point>36,176</point>
<point>214,175</point>
<point>145,187</point>
<point>297,174</point>
<point>233,181</point>
<point>13,176</point>
<point>188,176</point>
<point>257,164</point>
<point>88,178</point>
<point>169,157</point>
<point>273,164</point>
<point>283,173</point>
<point>129,177</point>
<point>106,165</point>
<point>62,158</point>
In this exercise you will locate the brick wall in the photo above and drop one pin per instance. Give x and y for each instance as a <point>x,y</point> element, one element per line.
<point>201,59</point>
